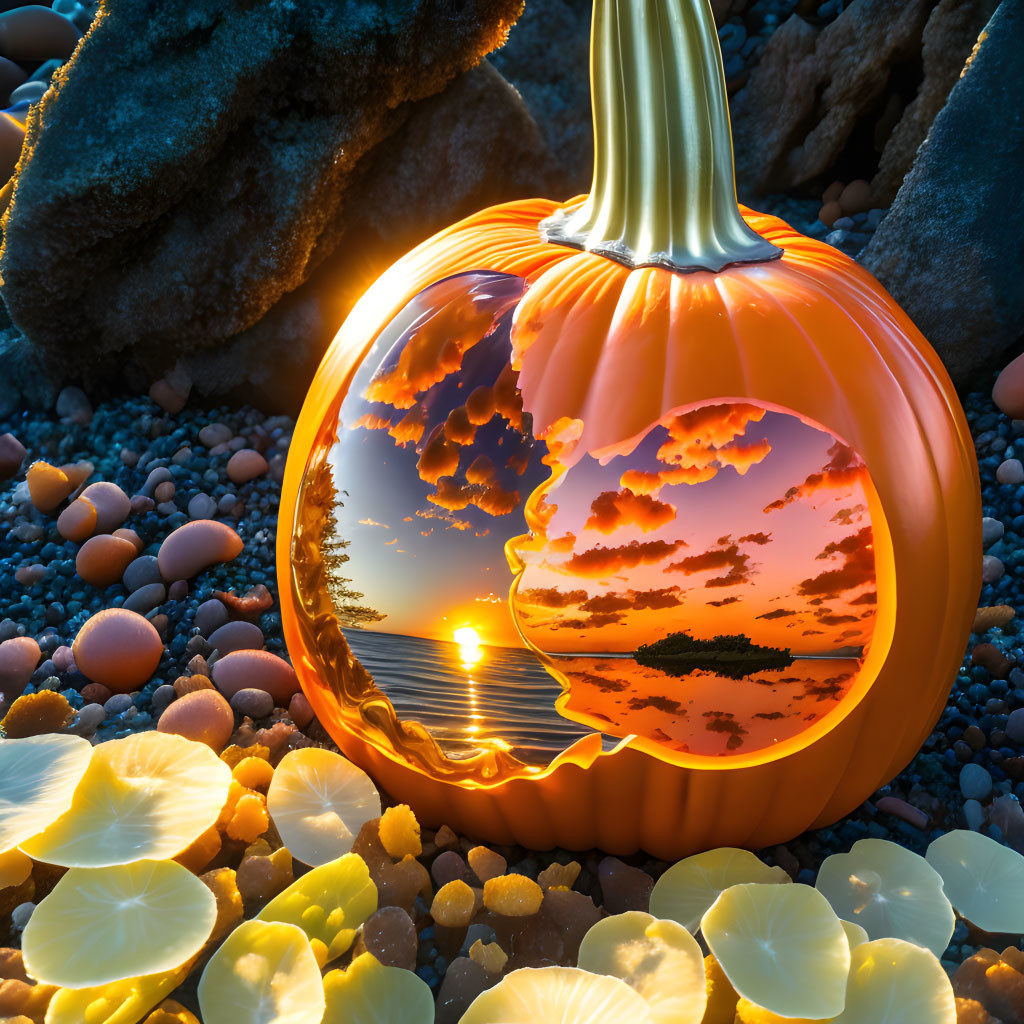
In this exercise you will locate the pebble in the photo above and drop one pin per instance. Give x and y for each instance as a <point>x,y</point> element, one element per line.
<point>236,636</point>
<point>992,569</point>
<point>624,887</point>
<point>202,506</point>
<point>118,703</point>
<point>72,403</point>
<point>141,572</point>
<point>210,615</point>
<point>988,617</point>
<point>992,658</point>
<point>12,455</point>
<point>486,863</point>
<point>214,434</point>
<point>48,485</point>
<point>18,659</point>
<point>178,590</point>
<point>157,476</point>
<point>1008,392</point>
<point>36,33</point>
<point>259,669</point>
<point>146,598</point>
<point>112,505</point>
<point>29,575</point>
<point>1010,472</point>
<point>448,867</point>
<point>195,546</point>
<point>245,465</point>
<point>254,703</point>
<point>88,720</point>
<point>164,492</point>
<point>77,522</point>
<point>390,935</point>
<point>904,811</point>
<point>96,692</point>
<point>975,782</point>
<point>202,715</point>
<point>991,531</point>
<point>118,648</point>
<point>1015,727</point>
<point>974,815</point>
<point>171,397</point>
<point>21,915</point>
<point>131,536</point>
<point>163,696</point>
<point>300,711</point>
<point>34,714</point>
<point>103,559</point>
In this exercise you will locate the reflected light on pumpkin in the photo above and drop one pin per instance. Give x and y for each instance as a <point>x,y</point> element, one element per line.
<point>469,645</point>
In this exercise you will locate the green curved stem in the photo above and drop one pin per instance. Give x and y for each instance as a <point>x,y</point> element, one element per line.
<point>664,191</point>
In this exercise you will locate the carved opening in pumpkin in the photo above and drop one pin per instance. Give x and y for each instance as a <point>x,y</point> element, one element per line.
<point>708,587</point>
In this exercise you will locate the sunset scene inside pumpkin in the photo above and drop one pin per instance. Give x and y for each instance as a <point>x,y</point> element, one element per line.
<point>710,586</point>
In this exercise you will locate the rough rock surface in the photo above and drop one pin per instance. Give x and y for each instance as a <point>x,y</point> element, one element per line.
<point>949,36</point>
<point>814,88</point>
<point>547,58</point>
<point>950,250</point>
<point>134,227</point>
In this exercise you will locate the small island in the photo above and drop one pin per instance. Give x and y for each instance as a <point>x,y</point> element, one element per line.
<point>730,655</point>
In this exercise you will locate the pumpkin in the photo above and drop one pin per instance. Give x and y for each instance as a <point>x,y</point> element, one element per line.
<point>606,390</point>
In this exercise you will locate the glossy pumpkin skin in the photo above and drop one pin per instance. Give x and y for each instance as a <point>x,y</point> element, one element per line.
<point>811,333</point>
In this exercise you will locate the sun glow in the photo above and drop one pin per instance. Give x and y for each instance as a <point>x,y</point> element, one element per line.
<point>469,644</point>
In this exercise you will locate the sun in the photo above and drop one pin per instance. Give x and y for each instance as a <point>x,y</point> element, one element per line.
<point>468,640</point>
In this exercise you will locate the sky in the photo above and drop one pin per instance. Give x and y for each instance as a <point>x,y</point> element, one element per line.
<point>726,518</point>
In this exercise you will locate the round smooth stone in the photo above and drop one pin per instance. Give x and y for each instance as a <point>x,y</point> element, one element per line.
<point>102,559</point>
<point>975,782</point>
<point>195,546</point>
<point>77,523</point>
<point>258,669</point>
<point>111,503</point>
<point>18,659</point>
<point>214,434</point>
<point>202,506</point>
<point>12,451</point>
<point>202,715</point>
<point>236,636</point>
<point>210,616</point>
<point>141,572</point>
<point>146,598</point>
<point>118,648</point>
<point>1010,472</point>
<point>254,703</point>
<point>245,465</point>
<point>36,33</point>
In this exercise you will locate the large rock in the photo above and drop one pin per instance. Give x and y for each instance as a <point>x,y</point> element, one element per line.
<point>951,32</point>
<point>471,145</point>
<point>951,251</point>
<point>816,92</point>
<point>195,163</point>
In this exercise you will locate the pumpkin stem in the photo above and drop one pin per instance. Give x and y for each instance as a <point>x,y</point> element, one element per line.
<point>664,190</point>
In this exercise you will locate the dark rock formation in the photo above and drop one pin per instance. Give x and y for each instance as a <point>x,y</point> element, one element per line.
<point>822,102</point>
<point>951,250</point>
<point>196,162</point>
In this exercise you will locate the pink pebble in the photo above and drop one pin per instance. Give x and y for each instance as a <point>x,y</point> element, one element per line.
<point>1008,392</point>
<point>196,546</point>
<point>63,659</point>
<point>111,503</point>
<point>168,397</point>
<point>28,575</point>
<point>901,809</point>
<point>118,648</point>
<point>96,693</point>
<point>299,710</point>
<point>77,522</point>
<point>202,715</point>
<point>259,670</point>
<point>12,454</point>
<point>245,465</point>
<point>18,659</point>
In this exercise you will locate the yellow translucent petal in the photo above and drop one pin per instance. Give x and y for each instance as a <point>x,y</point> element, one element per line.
<point>370,993</point>
<point>983,879</point>
<point>144,797</point>
<point>107,924</point>
<point>897,982</point>
<point>264,973</point>
<point>118,1002</point>
<point>688,888</point>
<point>659,959</point>
<point>319,801</point>
<point>39,776</point>
<point>855,934</point>
<point>750,1013</point>
<point>890,892</point>
<point>15,867</point>
<point>328,903</point>
<point>782,947</point>
<point>558,995</point>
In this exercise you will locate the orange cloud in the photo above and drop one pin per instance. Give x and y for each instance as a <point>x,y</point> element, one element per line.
<point>835,620</point>
<point>457,427</point>
<point>612,509</point>
<point>858,566</point>
<point>373,522</point>
<point>480,405</point>
<point>494,500</point>
<point>725,600</point>
<point>742,456</point>
<point>868,597</point>
<point>594,621</point>
<point>755,538</point>
<point>727,557</point>
<point>440,458</point>
<point>811,632</point>
<point>640,482</point>
<point>451,522</point>
<point>410,427</point>
<point>848,516</point>
<point>842,470</point>
<point>563,543</point>
<point>369,421</point>
<point>551,597</point>
<point>638,600</point>
<point>777,613</point>
<point>602,561</point>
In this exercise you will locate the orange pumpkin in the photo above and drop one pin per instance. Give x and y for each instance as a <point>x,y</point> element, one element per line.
<point>647,309</point>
